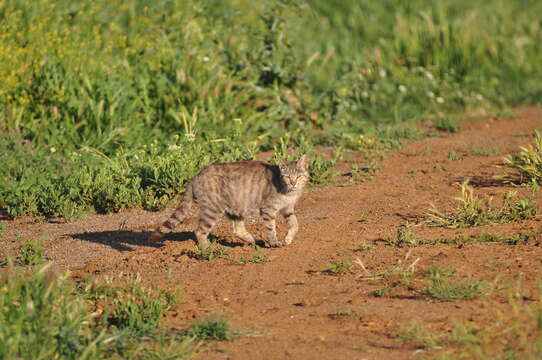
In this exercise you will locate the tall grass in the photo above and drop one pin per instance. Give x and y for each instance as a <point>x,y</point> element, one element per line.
<point>86,88</point>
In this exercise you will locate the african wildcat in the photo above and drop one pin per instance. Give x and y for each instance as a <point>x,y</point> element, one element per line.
<point>239,189</point>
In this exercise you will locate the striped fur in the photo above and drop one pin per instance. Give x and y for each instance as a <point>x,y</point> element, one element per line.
<point>239,190</point>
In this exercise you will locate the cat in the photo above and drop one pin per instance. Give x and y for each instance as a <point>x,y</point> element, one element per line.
<point>238,190</point>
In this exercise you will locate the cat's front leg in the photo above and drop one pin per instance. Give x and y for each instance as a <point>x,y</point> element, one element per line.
<point>293,227</point>
<point>241,232</point>
<point>269,220</point>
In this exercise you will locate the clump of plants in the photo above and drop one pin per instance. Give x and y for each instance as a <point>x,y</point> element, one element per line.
<point>528,161</point>
<point>212,252</point>
<point>212,328</point>
<point>45,315</point>
<point>443,288</point>
<point>473,211</point>
<point>31,252</point>
<point>339,267</point>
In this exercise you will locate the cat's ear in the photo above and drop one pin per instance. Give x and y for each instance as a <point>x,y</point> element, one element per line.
<point>303,163</point>
<point>282,166</point>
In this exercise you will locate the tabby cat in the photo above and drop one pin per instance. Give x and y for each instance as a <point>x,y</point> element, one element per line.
<point>241,189</point>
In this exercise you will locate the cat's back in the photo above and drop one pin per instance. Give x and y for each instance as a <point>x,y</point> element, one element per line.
<point>239,172</point>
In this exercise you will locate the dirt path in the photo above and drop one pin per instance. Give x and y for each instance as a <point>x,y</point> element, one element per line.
<point>290,307</point>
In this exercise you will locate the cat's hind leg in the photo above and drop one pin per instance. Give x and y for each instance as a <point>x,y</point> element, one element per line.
<point>241,232</point>
<point>207,221</point>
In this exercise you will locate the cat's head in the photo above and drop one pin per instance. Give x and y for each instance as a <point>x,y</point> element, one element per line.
<point>295,175</point>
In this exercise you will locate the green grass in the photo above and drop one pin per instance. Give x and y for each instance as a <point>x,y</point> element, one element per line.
<point>446,124</point>
<point>339,267</point>
<point>513,333</point>
<point>473,211</point>
<point>108,105</point>
<point>452,155</point>
<point>257,258</point>
<point>405,238</point>
<point>442,288</point>
<point>212,252</point>
<point>31,252</point>
<point>46,316</point>
<point>213,328</point>
<point>528,161</point>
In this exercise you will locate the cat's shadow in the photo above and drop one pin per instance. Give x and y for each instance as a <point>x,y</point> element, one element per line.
<point>126,240</point>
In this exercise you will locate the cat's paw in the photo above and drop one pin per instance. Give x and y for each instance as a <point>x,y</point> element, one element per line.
<point>275,244</point>
<point>288,240</point>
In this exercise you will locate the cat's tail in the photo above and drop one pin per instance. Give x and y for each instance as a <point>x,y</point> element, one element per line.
<point>178,216</point>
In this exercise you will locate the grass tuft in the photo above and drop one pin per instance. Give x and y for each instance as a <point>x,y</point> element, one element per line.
<point>473,211</point>
<point>339,268</point>
<point>444,289</point>
<point>446,124</point>
<point>528,161</point>
<point>212,252</point>
<point>214,328</point>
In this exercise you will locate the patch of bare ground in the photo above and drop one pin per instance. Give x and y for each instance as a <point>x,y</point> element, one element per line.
<point>290,306</point>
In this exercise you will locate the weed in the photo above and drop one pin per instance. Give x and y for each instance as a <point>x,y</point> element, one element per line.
<point>506,113</point>
<point>364,247</point>
<point>419,336</point>
<point>528,161</point>
<point>339,268</point>
<point>482,237</point>
<point>349,314</point>
<point>214,328</point>
<point>31,252</point>
<point>473,211</point>
<point>511,334</point>
<point>398,275</point>
<point>359,173</point>
<point>446,124</point>
<point>452,155</point>
<point>437,271</point>
<point>171,349</point>
<point>404,237</point>
<point>443,289</point>
<point>361,347</point>
<point>485,151</point>
<point>257,258</point>
<point>213,251</point>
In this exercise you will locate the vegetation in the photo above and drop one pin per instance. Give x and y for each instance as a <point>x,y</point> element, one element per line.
<point>514,334</point>
<point>528,161</point>
<point>214,328</point>
<point>473,211</point>
<point>213,251</point>
<point>257,258</point>
<point>405,238</point>
<point>108,105</point>
<point>444,289</point>
<point>48,317</point>
<point>446,124</point>
<point>339,267</point>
